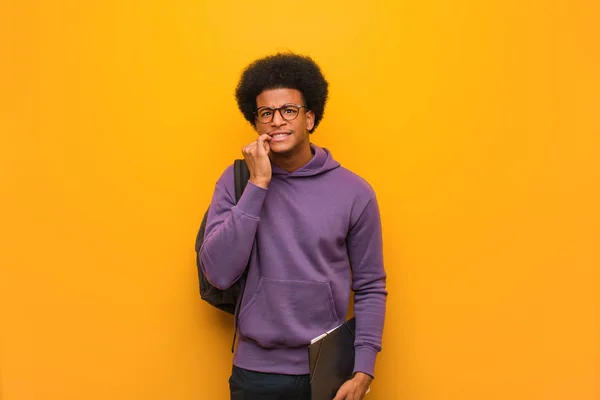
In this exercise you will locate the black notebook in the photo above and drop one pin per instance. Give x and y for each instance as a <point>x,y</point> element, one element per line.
<point>331,358</point>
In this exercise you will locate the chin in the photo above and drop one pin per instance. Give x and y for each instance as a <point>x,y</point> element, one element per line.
<point>282,149</point>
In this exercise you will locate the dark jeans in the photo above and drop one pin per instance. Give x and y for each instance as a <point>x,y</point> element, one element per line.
<point>251,385</point>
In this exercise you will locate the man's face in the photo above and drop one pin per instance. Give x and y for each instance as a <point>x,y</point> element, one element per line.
<point>287,136</point>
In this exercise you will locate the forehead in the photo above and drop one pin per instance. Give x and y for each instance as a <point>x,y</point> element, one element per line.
<point>277,97</point>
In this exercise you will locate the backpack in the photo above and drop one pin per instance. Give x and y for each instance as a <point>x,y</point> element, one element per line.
<point>225,300</point>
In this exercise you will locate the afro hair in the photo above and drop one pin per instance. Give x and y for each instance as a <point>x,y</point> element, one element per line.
<point>283,71</point>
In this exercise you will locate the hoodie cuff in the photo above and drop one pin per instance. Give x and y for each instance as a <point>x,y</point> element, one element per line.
<point>364,360</point>
<point>252,200</point>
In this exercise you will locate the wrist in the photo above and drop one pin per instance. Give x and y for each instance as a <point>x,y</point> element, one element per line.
<point>260,182</point>
<point>363,377</point>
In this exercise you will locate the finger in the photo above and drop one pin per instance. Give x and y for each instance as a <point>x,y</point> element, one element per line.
<point>341,394</point>
<point>262,144</point>
<point>246,148</point>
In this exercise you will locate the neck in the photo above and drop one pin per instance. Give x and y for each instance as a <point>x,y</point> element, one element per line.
<point>293,161</point>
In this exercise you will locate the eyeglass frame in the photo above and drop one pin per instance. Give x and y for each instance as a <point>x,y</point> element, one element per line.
<point>300,106</point>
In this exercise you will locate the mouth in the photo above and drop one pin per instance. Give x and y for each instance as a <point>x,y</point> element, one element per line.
<point>279,136</point>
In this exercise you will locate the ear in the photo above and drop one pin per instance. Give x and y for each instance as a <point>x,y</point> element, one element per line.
<point>310,120</point>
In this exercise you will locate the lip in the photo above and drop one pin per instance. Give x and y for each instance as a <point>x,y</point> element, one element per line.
<point>279,139</point>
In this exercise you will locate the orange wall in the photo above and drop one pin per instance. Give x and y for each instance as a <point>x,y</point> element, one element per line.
<point>117,118</point>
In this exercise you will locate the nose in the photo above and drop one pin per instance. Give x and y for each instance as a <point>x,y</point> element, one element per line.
<point>277,119</point>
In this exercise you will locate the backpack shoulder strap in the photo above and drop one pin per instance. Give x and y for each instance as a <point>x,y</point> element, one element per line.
<point>241,174</point>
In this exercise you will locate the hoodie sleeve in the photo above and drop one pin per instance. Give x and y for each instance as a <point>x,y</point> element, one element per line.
<point>230,231</point>
<point>369,285</point>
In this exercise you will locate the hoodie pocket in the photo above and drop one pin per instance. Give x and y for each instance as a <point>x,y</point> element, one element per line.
<point>285,313</point>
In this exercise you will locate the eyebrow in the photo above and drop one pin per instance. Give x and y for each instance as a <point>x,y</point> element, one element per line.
<point>284,104</point>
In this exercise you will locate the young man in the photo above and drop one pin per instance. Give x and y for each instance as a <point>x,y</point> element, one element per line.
<point>310,230</point>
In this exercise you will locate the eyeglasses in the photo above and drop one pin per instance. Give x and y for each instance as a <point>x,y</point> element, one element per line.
<point>289,112</point>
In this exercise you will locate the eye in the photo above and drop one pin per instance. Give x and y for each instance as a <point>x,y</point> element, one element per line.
<point>264,113</point>
<point>290,110</point>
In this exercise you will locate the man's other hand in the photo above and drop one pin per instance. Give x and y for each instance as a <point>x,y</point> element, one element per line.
<point>355,388</point>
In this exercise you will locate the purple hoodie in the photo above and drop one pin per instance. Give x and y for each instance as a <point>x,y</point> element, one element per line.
<point>318,235</point>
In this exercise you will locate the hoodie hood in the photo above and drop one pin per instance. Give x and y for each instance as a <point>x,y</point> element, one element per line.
<point>321,162</point>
